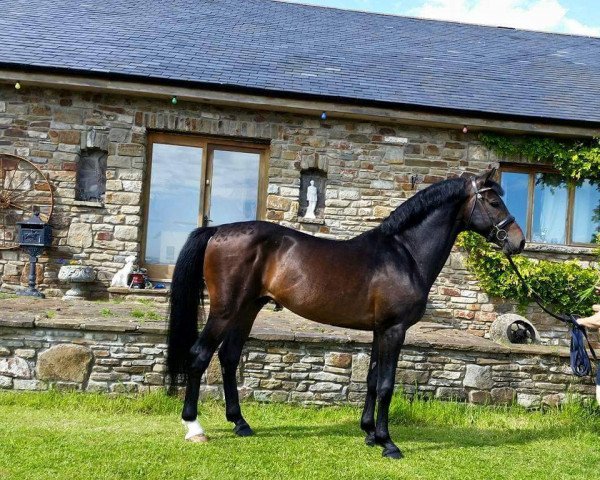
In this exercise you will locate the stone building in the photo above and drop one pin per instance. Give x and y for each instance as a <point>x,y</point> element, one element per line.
<point>148,123</point>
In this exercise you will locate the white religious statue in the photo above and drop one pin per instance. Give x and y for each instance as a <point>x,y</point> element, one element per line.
<point>121,277</point>
<point>311,196</point>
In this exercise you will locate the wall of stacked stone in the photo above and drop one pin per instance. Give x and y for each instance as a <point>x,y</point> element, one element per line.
<point>369,166</point>
<point>275,368</point>
<point>457,299</point>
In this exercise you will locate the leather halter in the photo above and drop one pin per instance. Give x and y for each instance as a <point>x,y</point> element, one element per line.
<point>498,229</point>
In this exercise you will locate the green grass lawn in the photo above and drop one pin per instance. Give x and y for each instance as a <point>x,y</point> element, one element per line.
<point>83,436</point>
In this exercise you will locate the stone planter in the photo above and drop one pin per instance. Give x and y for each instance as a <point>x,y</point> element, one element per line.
<point>78,276</point>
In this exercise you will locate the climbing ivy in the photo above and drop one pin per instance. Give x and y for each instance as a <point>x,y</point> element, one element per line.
<point>575,160</point>
<point>565,286</point>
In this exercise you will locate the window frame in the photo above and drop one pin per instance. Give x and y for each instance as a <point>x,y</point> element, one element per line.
<point>531,171</point>
<point>164,272</point>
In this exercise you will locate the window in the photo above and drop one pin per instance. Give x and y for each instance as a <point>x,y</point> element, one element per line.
<point>194,182</point>
<point>551,210</point>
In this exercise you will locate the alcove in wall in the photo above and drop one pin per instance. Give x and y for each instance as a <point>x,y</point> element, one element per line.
<point>320,179</point>
<point>91,175</point>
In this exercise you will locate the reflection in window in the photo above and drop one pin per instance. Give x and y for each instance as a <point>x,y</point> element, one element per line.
<point>174,200</point>
<point>516,187</point>
<point>234,192</point>
<point>562,212</point>
<point>550,198</point>
<point>586,214</point>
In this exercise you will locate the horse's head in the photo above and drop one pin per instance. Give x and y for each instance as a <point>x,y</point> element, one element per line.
<point>486,214</point>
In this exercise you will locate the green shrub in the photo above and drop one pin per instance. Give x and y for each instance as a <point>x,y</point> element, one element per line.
<point>562,285</point>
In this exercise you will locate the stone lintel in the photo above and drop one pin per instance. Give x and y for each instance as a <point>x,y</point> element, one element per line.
<point>20,323</point>
<point>108,326</point>
<point>88,203</point>
<point>271,335</point>
<point>64,323</point>
<point>314,337</point>
<point>158,328</point>
<point>312,221</point>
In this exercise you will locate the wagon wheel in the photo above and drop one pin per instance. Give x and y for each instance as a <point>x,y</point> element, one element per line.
<point>24,189</point>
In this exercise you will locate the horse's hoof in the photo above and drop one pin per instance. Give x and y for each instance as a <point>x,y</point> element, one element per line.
<point>370,440</point>
<point>393,452</point>
<point>201,438</point>
<point>243,430</point>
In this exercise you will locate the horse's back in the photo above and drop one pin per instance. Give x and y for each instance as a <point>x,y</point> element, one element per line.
<point>265,234</point>
<point>264,259</point>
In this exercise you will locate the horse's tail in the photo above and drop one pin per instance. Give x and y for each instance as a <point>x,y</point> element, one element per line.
<point>187,293</point>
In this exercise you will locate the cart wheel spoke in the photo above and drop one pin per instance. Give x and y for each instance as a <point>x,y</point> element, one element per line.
<point>23,186</point>
<point>19,206</point>
<point>14,194</point>
<point>7,183</point>
<point>28,177</point>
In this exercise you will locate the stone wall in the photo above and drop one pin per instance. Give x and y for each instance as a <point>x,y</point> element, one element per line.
<point>457,299</point>
<point>276,367</point>
<point>370,168</point>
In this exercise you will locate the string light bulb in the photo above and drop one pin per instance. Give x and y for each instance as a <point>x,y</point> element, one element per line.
<point>324,116</point>
<point>18,86</point>
<point>465,129</point>
<point>174,100</point>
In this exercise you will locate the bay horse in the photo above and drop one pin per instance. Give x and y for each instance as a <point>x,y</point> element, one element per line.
<point>378,281</point>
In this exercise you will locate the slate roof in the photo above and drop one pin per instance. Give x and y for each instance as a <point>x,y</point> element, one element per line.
<point>272,47</point>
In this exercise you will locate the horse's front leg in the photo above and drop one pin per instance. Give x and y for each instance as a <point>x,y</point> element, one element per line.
<point>367,421</point>
<point>390,343</point>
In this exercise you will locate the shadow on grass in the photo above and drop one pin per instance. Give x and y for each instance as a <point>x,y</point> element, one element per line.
<point>444,436</point>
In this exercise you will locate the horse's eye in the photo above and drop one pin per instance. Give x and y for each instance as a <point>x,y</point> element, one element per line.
<point>495,203</point>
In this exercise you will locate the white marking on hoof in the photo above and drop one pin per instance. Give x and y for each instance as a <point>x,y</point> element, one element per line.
<point>195,432</point>
<point>598,393</point>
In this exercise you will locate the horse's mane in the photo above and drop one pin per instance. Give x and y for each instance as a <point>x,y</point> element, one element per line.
<point>419,205</point>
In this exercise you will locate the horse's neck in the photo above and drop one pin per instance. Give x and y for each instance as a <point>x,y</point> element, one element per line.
<point>431,241</point>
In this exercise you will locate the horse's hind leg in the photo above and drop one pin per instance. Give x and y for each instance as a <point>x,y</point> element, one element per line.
<point>229,357</point>
<point>202,351</point>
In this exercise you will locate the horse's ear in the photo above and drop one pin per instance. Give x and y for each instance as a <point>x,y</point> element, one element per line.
<point>486,176</point>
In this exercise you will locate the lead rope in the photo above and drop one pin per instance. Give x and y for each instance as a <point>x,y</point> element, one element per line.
<point>580,360</point>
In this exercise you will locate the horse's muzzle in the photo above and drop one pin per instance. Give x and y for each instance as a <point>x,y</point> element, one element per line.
<point>514,242</point>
